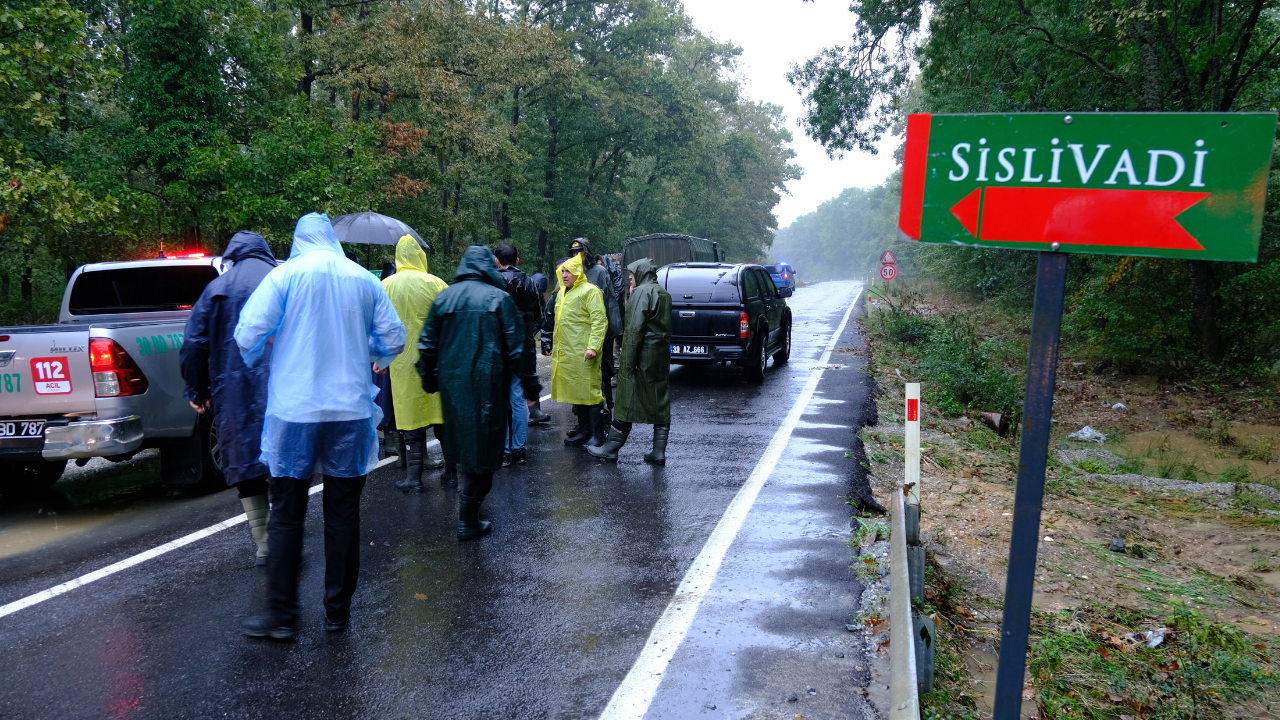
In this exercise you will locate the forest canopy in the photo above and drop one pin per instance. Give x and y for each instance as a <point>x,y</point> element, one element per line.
<point>1003,56</point>
<point>129,125</point>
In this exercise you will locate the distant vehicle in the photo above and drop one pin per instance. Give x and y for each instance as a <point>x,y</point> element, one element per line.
<point>722,312</point>
<point>667,248</point>
<point>104,381</point>
<point>783,275</point>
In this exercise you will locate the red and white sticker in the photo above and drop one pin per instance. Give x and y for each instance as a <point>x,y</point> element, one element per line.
<point>51,375</point>
<point>913,410</point>
<point>888,272</point>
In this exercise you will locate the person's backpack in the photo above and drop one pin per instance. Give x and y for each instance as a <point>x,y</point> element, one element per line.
<point>619,279</point>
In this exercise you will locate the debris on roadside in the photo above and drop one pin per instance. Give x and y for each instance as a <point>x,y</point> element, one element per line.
<point>1088,434</point>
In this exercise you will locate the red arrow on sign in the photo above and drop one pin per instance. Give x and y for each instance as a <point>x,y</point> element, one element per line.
<point>1079,216</point>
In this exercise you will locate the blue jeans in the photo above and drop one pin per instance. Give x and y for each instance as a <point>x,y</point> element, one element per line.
<point>518,428</point>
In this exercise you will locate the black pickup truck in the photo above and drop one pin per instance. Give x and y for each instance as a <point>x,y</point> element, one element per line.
<point>722,312</point>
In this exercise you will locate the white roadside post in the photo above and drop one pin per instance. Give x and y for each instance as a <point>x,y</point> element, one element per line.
<point>922,628</point>
<point>912,479</point>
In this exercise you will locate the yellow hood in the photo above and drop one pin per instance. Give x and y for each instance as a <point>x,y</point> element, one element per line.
<point>410,256</point>
<point>574,266</point>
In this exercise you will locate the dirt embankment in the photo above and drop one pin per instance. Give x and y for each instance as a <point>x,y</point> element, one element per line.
<point>1168,525</point>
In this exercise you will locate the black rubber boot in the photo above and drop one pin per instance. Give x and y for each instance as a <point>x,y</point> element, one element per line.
<point>266,626</point>
<point>412,482</point>
<point>599,425</point>
<point>659,454</point>
<point>536,416</point>
<point>470,526</point>
<point>608,450</point>
<point>449,478</point>
<point>582,433</point>
<point>400,451</point>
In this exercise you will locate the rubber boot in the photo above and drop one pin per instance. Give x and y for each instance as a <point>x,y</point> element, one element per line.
<point>412,482</point>
<point>470,526</point>
<point>582,433</point>
<point>401,461</point>
<point>659,454</point>
<point>536,416</point>
<point>608,450</point>
<point>449,478</point>
<point>599,425</point>
<point>259,513</point>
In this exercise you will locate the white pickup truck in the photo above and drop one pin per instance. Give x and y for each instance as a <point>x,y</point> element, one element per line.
<point>105,381</point>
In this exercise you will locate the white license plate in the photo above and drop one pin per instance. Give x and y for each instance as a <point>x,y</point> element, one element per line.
<point>21,428</point>
<point>688,349</point>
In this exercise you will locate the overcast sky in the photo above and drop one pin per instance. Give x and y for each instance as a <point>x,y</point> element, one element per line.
<point>773,34</point>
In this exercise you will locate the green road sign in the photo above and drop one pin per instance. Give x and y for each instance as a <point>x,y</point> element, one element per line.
<point>1177,185</point>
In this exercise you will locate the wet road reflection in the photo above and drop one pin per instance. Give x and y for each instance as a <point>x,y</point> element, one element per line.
<point>541,620</point>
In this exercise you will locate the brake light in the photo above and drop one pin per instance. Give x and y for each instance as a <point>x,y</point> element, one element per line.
<point>115,374</point>
<point>743,325</point>
<point>195,255</point>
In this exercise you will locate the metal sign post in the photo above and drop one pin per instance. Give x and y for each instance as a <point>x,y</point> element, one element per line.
<point>1172,185</point>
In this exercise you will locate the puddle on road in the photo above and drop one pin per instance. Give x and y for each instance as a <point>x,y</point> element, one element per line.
<point>78,502</point>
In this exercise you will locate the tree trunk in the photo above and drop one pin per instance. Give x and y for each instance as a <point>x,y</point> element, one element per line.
<point>4,286</point>
<point>1203,290</point>
<point>308,77</point>
<point>504,219</point>
<point>27,290</point>
<point>548,191</point>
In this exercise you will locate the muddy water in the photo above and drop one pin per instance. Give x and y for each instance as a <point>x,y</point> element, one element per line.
<point>1173,451</point>
<point>982,672</point>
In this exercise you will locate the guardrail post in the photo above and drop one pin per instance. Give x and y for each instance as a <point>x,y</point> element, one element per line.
<point>911,481</point>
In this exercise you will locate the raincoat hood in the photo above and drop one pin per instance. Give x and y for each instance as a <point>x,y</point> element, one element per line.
<point>314,232</point>
<point>244,245</point>
<point>574,266</point>
<point>477,264</point>
<point>410,256</point>
<point>643,271</point>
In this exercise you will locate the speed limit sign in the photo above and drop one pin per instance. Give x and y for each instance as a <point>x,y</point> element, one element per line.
<point>888,272</point>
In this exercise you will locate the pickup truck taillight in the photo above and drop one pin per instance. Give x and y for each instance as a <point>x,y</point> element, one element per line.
<point>743,325</point>
<point>115,374</point>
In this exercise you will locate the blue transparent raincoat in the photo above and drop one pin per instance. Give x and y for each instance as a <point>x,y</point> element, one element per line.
<point>327,319</point>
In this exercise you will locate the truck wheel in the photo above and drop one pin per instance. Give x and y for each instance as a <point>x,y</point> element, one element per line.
<point>30,478</point>
<point>784,352</point>
<point>756,361</point>
<point>211,477</point>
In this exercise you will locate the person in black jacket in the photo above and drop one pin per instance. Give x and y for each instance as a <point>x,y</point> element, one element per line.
<point>216,376</point>
<point>529,303</point>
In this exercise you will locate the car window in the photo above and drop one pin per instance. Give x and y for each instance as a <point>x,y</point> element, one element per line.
<point>766,283</point>
<point>750,284</point>
<point>139,289</point>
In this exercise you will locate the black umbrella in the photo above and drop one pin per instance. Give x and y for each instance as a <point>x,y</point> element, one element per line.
<point>371,228</point>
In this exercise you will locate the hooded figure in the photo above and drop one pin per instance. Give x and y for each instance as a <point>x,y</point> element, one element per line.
<point>580,326</point>
<point>598,275</point>
<point>214,371</point>
<point>468,351</point>
<point>326,319</point>
<point>644,394</point>
<point>412,290</point>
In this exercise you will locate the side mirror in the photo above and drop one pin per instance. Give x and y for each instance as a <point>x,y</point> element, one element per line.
<point>786,292</point>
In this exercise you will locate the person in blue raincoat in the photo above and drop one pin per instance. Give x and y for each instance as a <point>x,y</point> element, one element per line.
<point>327,318</point>
<point>216,376</point>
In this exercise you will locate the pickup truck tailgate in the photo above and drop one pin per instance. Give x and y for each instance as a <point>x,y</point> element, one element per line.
<point>44,371</point>
<point>705,322</point>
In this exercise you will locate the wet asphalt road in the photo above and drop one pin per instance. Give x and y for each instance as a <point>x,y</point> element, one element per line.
<point>544,619</point>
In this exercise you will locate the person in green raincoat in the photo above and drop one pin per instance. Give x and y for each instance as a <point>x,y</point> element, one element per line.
<point>470,347</point>
<point>577,341</point>
<point>644,369</point>
<point>412,289</point>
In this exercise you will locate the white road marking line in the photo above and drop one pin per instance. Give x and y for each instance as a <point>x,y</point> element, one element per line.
<point>142,557</point>
<point>631,699</point>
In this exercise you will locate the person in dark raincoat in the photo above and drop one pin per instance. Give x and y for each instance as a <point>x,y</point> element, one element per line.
<point>644,368</point>
<point>470,347</point>
<point>215,375</point>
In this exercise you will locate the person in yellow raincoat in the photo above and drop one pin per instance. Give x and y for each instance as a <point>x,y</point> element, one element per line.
<point>412,290</point>
<point>581,324</point>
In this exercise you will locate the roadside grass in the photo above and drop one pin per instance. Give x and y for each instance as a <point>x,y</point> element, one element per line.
<point>1092,662</point>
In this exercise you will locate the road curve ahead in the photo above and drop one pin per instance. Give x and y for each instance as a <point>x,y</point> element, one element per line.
<point>718,586</point>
